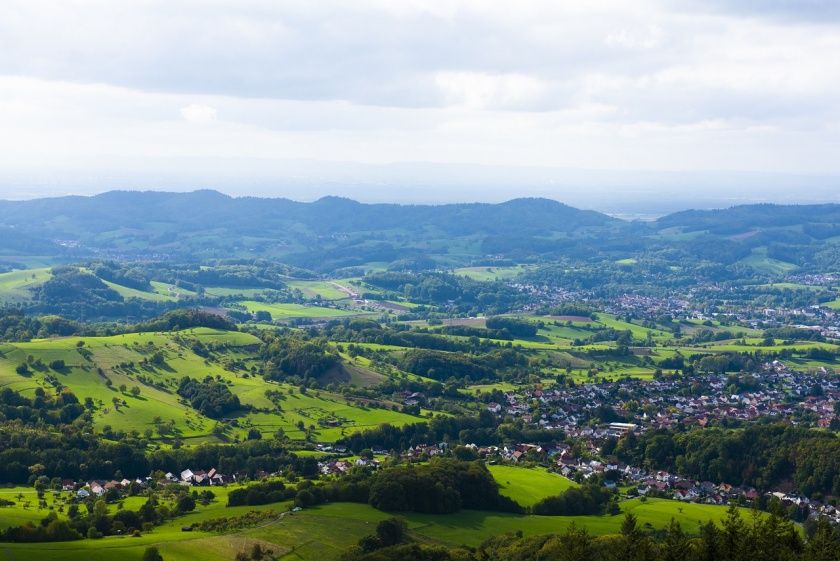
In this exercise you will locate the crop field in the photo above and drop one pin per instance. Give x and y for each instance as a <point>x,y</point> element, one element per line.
<point>528,486</point>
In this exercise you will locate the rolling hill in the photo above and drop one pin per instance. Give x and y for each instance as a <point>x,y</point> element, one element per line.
<point>334,233</point>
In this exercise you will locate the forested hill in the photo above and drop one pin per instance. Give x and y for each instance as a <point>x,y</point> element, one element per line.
<point>202,210</point>
<point>333,233</point>
<point>210,224</point>
<point>818,221</point>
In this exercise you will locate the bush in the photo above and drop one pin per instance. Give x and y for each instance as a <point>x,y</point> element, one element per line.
<point>152,554</point>
<point>93,533</point>
<point>589,499</point>
<point>186,503</point>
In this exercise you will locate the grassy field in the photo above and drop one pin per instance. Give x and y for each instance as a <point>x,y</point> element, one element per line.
<point>760,261</point>
<point>289,311</point>
<point>221,291</point>
<point>322,533</point>
<point>323,289</point>
<point>491,273</point>
<point>112,355</point>
<point>128,292</point>
<point>528,486</point>
<point>834,304</point>
<point>790,286</point>
<point>120,359</point>
<point>16,286</point>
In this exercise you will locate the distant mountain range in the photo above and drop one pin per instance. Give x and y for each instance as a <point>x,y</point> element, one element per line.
<point>335,232</point>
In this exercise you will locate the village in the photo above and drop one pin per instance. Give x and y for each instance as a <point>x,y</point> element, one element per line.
<point>773,392</point>
<point>667,401</point>
<point>187,477</point>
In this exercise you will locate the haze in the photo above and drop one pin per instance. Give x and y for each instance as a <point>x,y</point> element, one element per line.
<point>639,107</point>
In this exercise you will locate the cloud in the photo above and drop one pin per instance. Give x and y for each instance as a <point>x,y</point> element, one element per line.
<point>198,113</point>
<point>814,11</point>
<point>600,84</point>
<point>478,90</point>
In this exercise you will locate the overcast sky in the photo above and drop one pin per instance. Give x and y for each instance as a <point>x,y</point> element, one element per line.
<point>303,98</point>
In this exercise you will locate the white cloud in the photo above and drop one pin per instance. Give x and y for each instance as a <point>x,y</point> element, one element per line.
<point>648,38</point>
<point>477,90</point>
<point>198,113</point>
<point>604,84</point>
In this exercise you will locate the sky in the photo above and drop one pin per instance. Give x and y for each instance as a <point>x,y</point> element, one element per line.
<point>593,102</point>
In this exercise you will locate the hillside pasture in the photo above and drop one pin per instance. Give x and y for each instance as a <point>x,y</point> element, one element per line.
<point>324,532</point>
<point>528,486</point>
<point>16,286</point>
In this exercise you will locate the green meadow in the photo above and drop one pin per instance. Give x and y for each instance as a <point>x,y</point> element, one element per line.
<point>120,360</point>
<point>15,286</point>
<point>528,486</point>
<point>128,292</point>
<point>760,261</point>
<point>289,311</point>
<point>322,533</point>
<point>491,273</point>
<point>324,290</point>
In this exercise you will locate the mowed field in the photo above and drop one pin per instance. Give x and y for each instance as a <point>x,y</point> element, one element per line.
<point>16,286</point>
<point>120,359</point>
<point>322,533</point>
<point>491,273</point>
<point>289,311</point>
<point>528,486</point>
<point>325,290</point>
